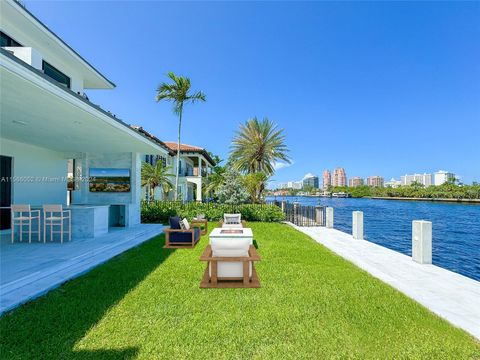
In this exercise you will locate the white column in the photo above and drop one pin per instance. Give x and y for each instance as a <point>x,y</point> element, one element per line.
<point>422,241</point>
<point>199,166</point>
<point>357,225</point>
<point>199,191</point>
<point>329,217</point>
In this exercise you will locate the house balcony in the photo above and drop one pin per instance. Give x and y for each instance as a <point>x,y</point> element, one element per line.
<point>193,172</point>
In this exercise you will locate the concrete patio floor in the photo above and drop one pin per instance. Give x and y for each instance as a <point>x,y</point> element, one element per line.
<point>31,270</point>
<point>451,296</point>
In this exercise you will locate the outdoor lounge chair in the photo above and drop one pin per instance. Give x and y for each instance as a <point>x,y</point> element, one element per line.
<point>176,237</point>
<point>232,221</point>
<point>230,264</point>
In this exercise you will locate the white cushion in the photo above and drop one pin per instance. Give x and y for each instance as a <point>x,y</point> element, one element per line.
<point>186,224</point>
<point>232,218</point>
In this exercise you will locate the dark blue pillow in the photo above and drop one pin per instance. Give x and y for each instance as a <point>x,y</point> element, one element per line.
<point>174,222</point>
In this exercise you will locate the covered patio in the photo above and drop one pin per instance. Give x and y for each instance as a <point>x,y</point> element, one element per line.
<point>31,270</point>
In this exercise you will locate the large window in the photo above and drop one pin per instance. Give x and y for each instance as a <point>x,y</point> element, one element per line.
<point>6,40</point>
<point>55,74</point>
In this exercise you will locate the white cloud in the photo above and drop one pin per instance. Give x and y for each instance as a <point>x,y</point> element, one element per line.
<point>281,165</point>
<point>309,175</point>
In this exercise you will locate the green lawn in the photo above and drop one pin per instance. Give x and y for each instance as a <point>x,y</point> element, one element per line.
<point>147,304</point>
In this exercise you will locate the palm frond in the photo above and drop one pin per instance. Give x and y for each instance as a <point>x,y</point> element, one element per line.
<point>257,145</point>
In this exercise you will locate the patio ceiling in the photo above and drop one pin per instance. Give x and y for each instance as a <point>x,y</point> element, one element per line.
<point>36,111</point>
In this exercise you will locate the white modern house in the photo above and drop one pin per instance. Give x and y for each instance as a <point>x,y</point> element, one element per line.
<point>47,121</point>
<point>49,126</point>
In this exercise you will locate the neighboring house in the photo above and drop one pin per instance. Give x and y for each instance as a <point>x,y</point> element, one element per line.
<point>48,125</point>
<point>195,165</point>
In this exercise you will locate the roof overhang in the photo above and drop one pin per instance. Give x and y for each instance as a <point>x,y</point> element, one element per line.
<point>37,111</point>
<point>21,24</point>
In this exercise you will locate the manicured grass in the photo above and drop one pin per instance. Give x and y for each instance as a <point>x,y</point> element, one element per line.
<point>147,304</point>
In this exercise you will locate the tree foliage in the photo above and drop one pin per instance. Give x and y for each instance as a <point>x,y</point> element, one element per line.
<point>255,185</point>
<point>447,190</point>
<point>257,146</point>
<point>154,176</point>
<point>232,189</point>
<point>178,92</point>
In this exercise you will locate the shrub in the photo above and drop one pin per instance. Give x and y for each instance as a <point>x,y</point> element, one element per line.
<point>160,211</point>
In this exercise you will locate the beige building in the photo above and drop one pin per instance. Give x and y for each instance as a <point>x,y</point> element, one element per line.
<point>327,179</point>
<point>375,181</point>
<point>355,181</point>
<point>339,177</point>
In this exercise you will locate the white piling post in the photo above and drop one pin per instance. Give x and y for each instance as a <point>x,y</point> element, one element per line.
<point>422,241</point>
<point>319,215</point>
<point>329,217</point>
<point>357,225</point>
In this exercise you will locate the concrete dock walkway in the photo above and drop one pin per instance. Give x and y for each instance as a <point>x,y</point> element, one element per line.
<point>452,296</point>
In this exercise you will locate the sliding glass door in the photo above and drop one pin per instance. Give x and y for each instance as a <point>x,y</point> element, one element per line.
<point>5,191</point>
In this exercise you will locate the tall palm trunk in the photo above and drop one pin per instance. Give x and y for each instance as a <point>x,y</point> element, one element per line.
<point>178,152</point>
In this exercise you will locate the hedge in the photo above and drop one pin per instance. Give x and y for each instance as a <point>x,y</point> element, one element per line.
<point>160,211</point>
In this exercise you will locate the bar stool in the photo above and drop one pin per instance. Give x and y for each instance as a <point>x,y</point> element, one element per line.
<point>54,215</point>
<point>25,217</point>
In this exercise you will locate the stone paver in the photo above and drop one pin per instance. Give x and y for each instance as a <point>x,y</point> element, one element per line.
<point>452,296</point>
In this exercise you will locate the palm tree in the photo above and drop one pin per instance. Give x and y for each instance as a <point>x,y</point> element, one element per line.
<point>156,175</point>
<point>179,93</point>
<point>257,146</point>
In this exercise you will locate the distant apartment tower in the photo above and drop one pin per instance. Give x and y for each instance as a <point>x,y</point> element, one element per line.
<point>393,183</point>
<point>327,179</point>
<point>424,179</point>
<point>339,177</point>
<point>311,181</point>
<point>296,185</point>
<point>375,181</point>
<point>355,181</point>
<point>442,176</point>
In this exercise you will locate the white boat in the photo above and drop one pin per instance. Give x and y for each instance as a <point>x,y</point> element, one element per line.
<point>340,195</point>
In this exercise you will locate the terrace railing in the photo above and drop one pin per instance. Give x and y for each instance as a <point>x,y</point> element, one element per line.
<point>303,215</point>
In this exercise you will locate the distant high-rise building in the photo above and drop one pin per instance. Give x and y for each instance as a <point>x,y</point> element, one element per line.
<point>393,183</point>
<point>327,179</point>
<point>339,177</point>
<point>442,176</point>
<point>355,181</point>
<point>375,181</point>
<point>296,185</point>
<point>424,179</point>
<point>310,180</point>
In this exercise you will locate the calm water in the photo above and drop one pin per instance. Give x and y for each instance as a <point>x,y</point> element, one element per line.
<point>456,227</point>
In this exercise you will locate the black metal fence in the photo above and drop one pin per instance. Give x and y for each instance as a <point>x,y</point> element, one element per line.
<point>303,215</point>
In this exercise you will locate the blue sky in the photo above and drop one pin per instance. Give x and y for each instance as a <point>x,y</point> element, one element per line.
<point>377,88</point>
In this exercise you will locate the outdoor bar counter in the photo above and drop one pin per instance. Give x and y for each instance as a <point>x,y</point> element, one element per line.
<point>88,220</point>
